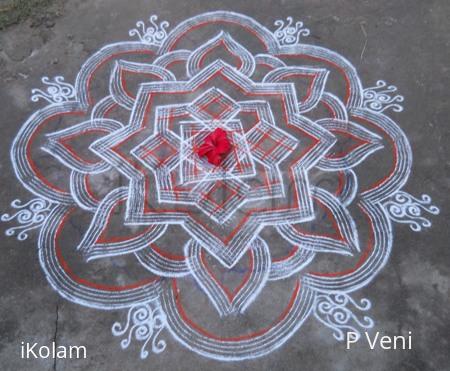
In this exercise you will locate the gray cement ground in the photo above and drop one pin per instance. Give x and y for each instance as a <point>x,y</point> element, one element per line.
<point>405,42</point>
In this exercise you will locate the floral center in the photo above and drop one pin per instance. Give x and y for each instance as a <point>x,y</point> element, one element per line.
<point>215,147</point>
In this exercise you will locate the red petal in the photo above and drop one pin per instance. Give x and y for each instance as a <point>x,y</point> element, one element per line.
<point>219,132</point>
<point>215,146</point>
<point>214,158</point>
<point>223,146</point>
<point>204,149</point>
<point>209,140</point>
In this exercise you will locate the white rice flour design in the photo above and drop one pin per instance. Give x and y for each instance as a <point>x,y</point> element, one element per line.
<point>153,34</point>
<point>289,33</point>
<point>198,249</point>
<point>144,322</point>
<point>57,91</point>
<point>30,215</point>
<point>404,208</point>
<point>332,309</point>
<point>378,98</point>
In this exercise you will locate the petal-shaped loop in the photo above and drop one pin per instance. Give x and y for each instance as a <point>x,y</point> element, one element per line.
<point>58,144</point>
<point>94,246</point>
<point>75,286</point>
<point>308,96</point>
<point>242,59</point>
<point>227,302</point>
<point>365,143</point>
<point>145,73</point>
<point>253,32</point>
<point>246,345</point>
<point>346,244</point>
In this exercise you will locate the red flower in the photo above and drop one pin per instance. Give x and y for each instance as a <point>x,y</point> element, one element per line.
<point>215,147</point>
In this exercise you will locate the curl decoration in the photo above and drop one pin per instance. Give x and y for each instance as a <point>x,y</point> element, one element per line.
<point>144,323</point>
<point>332,309</point>
<point>57,91</point>
<point>379,98</point>
<point>406,209</point>
<point>30,215</point>
<point>289,33</point>
<point>154,34</point>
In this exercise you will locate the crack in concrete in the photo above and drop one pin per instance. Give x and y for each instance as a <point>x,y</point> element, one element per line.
<point>365,40</point>
<point>404,290</point>
<point>55,335</point>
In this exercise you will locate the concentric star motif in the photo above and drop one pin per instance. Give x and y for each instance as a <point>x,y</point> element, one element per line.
<point>218,197</point>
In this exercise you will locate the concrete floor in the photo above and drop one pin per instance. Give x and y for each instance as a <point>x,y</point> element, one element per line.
<point>405,42</point>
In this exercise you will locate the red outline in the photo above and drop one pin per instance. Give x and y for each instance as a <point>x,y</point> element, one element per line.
<point>204,332</point>
<point>231,295</point>
<point>364,256</point>
<point>209,22</point>
<point>84,282</point>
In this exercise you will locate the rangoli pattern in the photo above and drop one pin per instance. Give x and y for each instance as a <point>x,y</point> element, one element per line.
<point>286,224</point>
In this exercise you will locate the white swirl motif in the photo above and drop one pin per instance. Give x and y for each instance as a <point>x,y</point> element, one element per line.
<point>379,97</point>
<point>332,309</point>
<point>289,33</point>
<point>30,215</point>
<point>57,91</point>
<point>406,209</point>
<point>154,34</point>
<point>144,321</point>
